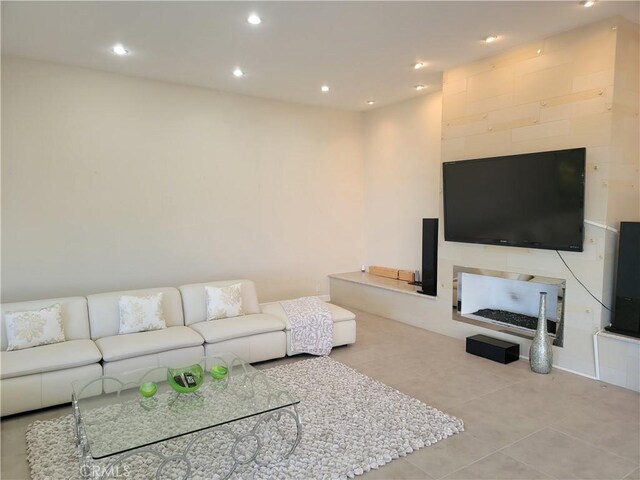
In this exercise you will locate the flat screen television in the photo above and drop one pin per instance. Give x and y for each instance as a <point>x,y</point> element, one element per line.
<point>533,200</point>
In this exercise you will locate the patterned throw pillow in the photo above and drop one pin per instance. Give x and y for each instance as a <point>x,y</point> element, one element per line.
<point>224,302</point>
<point>141,314</point>
<point>34,327</point>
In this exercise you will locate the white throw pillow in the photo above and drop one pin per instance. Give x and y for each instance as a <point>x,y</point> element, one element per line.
<point>141,314</point>
<point>224,302</point>
<point>33,328</point>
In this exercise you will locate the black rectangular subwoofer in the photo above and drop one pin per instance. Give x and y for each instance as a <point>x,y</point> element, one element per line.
<point>493,349</point>
<point>626,314</point>
<point>429,256</point>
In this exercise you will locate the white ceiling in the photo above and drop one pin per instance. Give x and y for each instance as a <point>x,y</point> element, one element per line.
<point>363,50</point>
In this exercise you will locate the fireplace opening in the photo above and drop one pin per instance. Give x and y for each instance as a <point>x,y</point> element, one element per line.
<point>508,302</point>
<point>517,319</point>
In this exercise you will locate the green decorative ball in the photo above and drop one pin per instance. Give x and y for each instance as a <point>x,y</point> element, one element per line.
<point>218,371</point>
<point>148,389</point>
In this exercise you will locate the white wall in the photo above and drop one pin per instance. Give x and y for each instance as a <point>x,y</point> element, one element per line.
<point>113,182</point>
<point>402,179</point>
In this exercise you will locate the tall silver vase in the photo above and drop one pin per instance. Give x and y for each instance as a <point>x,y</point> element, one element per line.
<point>541,352</point>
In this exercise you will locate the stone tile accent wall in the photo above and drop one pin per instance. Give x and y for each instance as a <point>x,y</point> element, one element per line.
<point>575,89</point>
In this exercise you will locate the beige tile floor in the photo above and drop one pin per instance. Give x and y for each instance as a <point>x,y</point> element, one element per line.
<point>518,425</point>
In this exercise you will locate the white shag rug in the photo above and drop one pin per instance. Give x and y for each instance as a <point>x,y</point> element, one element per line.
<point>351,424</point>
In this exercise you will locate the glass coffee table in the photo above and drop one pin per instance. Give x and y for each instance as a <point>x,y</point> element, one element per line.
<point>230,415</point>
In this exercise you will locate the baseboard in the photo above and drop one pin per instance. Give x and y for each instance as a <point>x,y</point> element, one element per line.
<point>564,369</point>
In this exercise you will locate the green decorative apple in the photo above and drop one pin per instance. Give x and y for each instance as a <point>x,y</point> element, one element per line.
<point>148,389</point>
<point>218,372</point>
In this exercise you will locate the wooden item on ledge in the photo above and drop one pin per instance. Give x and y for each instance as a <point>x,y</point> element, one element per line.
<point>406,276</point>
<point>384,272</point>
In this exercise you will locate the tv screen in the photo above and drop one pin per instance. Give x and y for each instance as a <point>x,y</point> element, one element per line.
<point>534,200</point>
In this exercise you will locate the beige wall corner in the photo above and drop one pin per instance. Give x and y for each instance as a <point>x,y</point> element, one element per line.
<point>401,179</point>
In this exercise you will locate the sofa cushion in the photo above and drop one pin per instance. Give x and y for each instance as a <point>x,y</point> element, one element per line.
<point>47,358</point>
<point>225,329</point>
<point>104,310</point>
<point>194,299</point>
<point>74,316</point>
<point>119,347</point>
<point>338,314</point>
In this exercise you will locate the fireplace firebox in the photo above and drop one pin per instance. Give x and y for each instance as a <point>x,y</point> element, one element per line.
<point>508,302</point>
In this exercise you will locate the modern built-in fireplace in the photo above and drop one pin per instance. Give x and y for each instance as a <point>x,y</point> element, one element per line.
<point>508,302</point>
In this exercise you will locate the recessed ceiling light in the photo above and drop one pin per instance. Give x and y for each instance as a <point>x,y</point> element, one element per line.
<point>420,87</point>
<point>370,102</point>
<point>254,19</point>
<point>238,72</point>
<point>324,88</point>
<point>418,65</point>
<point>490,38</point>
<point>539,51</point>
<point>119,50</point>
<point>588,3</point>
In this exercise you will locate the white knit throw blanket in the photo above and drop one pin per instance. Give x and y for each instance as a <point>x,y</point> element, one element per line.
<point>311,325</point>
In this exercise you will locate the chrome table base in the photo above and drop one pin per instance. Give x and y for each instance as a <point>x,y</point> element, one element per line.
<point>245,448</point>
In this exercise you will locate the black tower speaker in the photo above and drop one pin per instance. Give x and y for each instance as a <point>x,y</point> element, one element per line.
<point>429,256</point>
<point>626,315</point>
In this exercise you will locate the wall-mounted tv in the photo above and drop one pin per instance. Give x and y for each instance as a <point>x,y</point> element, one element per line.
<point>533,200</point>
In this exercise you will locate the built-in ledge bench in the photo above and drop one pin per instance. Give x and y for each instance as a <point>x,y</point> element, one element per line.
<point>383,296</point>
<point>363,278</point>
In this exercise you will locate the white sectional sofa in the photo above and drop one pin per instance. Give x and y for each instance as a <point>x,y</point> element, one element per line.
<point>174,345</point>
<point>41,376</point>
<point>254,336</point>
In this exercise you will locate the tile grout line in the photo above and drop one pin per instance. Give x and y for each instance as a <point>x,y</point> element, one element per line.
<point>597,447</point>
<point>523,462</point>
<point>493,453</point>
<point>491,392</point>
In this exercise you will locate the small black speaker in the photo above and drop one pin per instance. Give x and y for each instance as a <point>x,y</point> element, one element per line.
<point>429,256</point>
<point>493,348</point>
<point>626,315</point>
